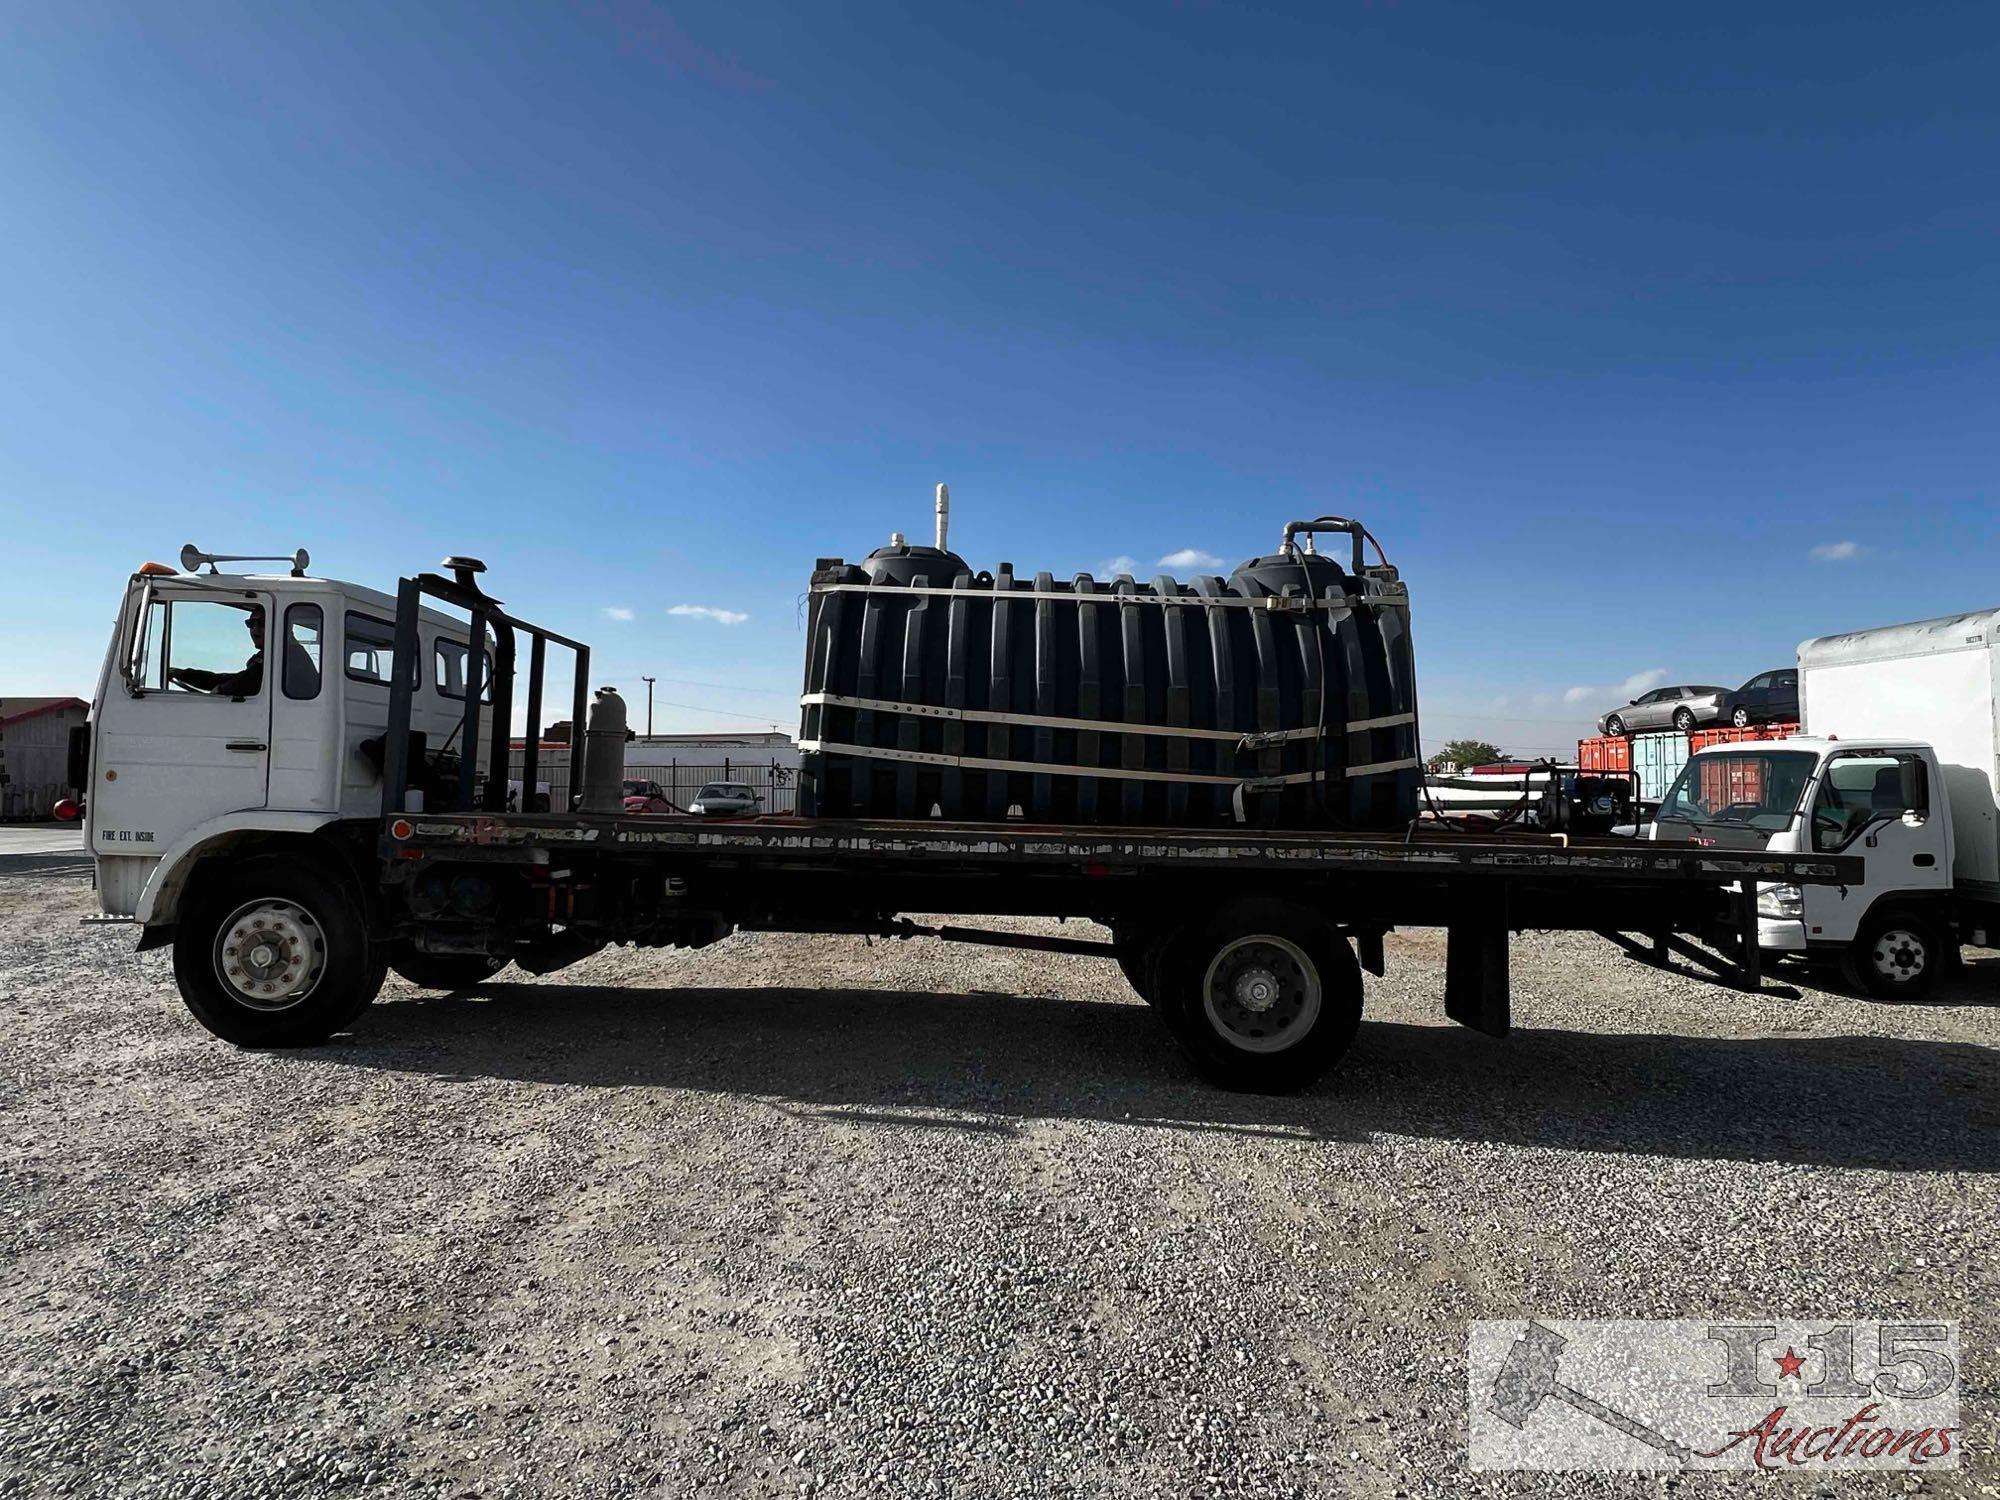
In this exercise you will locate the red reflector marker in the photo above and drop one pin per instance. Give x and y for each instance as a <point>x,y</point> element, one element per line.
<point>401,829</point>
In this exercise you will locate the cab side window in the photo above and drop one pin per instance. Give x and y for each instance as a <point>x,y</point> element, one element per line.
<point>1858,790</point>
<point>370,649</point>
<point>202,646</point>
<point>300,674</point>
<point>450,660</point>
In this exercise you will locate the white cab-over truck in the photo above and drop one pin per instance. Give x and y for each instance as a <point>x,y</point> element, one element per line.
<point>1899,763</point>
<point>288,782</point>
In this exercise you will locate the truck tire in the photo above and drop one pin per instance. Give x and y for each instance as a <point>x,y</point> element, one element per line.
<point>446,971</point>
<point>1897,954</point>
<point>1264,997</point>
<point>276,954</point>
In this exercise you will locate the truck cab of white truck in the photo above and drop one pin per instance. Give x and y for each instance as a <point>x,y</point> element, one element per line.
<point>1899,763</point>
<point>237,707</point>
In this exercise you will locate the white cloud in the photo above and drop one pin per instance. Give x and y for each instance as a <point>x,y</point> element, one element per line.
<point>1190,557</point>
<point>710,612</point>
<point>1622,692</point>
<point>1836,551</point>
<point>618,612</point>
<point>1111,567</point>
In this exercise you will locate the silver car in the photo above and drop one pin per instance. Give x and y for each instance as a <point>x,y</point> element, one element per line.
<point>1682,708</point>
<point>723,797</point>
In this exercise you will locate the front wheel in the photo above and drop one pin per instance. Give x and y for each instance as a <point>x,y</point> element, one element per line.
<point>275,954</point>
<point>1614,726</point>
<point>446,971</point>
<point>1263,997</point>
<point>1895,956</point>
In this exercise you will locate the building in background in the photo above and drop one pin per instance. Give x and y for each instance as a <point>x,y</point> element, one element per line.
<point>34,753</point>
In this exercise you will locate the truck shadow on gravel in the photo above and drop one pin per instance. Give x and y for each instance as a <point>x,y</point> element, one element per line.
<point>983,1061</point>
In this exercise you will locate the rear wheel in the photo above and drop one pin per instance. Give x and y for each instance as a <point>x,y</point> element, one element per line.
<point>1683,719</point>
<point>275,954</point>
<point>1741,718</point>
<point>446,971</point>
<point>1896,955</point>
<point>1264,997</point>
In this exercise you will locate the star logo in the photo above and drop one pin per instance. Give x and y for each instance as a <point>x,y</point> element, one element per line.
<point>1789,1363</point>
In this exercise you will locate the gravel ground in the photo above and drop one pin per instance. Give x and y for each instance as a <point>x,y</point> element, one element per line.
<point>798,1215</point>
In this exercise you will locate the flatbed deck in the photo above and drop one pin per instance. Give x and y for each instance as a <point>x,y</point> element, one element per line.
<point>792,842</point>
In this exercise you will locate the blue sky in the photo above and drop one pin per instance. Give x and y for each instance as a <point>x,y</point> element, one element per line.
<point>1605,319</point>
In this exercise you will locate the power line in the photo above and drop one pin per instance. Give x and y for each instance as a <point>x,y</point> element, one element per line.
<point>727,687</point>
<point>702,708</point>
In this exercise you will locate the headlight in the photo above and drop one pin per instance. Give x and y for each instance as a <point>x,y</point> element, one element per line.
<point>1781,901</point>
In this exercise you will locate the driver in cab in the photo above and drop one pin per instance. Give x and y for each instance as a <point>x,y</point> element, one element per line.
<point>299,668</point>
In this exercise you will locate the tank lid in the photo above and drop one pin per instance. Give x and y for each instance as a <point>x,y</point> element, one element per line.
<point>900,562</point>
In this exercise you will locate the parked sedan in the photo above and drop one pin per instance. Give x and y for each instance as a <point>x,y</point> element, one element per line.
<point>1681,708</point>
<point>647,797</point>
<point>722,797</point>
<point>1767,698</point>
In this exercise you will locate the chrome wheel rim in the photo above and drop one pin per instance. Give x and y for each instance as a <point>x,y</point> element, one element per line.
<point>1741,718</point>
<point>270,954</point>
<point>1899,953</point>
<point>1261,993</point>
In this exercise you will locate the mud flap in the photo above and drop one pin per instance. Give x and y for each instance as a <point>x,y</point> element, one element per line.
<point>1368,950</point>
<point>1476,991</point>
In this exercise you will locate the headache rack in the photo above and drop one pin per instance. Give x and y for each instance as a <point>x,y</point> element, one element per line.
<point>462,591</point>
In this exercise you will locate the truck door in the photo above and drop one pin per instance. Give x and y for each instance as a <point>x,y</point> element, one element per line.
<point>187,736</point>
<point>1878,804</point>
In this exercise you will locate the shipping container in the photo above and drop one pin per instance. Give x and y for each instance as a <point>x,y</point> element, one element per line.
<point>1658,759</point>
<point>1727,780</point>
<point>1724,735</point>
<point>1609,752</point>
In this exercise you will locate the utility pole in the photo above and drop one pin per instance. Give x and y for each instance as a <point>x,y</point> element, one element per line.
<point>649,706</point>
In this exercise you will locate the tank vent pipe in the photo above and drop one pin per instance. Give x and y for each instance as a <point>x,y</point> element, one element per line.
<point>943,513</point>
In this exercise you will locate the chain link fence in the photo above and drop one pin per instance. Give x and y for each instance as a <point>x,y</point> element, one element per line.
<point>679,780</point>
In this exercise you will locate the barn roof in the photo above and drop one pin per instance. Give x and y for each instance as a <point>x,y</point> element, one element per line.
<point>14,710</point>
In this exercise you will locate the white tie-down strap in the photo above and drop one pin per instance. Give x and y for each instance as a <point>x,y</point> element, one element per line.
<point>1280,603</point>
<point>1242,741</point>
<point>1109,773</point>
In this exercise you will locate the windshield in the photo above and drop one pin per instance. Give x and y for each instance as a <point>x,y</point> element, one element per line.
<point>1755,791</point>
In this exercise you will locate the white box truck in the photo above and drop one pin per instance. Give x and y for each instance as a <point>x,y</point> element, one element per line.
<point>1900,762</point>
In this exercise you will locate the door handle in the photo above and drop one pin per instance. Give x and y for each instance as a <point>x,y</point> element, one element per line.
<point>251,747</point>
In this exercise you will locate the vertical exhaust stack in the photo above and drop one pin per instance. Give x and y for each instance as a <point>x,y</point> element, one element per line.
<point>604,754</point>
<point>943,513</point>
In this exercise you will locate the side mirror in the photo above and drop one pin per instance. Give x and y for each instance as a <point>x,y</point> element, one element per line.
<point>131,670</point>
<point>76,765</point>
<point>1911,784</point>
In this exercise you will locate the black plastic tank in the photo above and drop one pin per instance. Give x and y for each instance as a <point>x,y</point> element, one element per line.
<point>1280,697</point>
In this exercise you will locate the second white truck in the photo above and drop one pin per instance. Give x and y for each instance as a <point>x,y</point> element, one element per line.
<point>1899,762</point>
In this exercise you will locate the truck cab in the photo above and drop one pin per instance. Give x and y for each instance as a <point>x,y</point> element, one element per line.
<point>233,707</point>
<point>1879,797</point>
